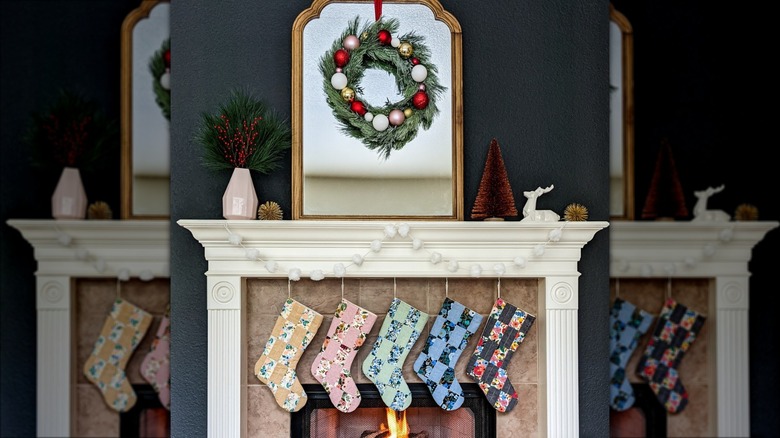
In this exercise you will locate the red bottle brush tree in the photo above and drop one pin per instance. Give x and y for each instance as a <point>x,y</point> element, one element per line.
<point>494,198</point>
<point>665,198</point>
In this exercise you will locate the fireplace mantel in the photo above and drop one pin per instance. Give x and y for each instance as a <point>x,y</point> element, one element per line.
<point>714,250</point>
<point>70,249</point>
<point>549,251</point>
<point>104,249</point>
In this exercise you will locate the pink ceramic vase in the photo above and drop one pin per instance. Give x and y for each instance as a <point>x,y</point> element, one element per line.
<point>69,200</point>
<point>240,198</point>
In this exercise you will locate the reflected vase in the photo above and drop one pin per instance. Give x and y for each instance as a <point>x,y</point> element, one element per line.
<point>240,198</point>
<point>69,200</point>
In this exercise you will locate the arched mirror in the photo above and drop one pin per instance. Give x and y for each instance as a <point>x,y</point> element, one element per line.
<point>621,120</point>
<point>342,167</point>
<point>145,110</point>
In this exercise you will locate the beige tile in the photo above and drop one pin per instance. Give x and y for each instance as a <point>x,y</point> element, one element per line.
<point>476,294</point>
<point>322,296</point>
<point>694,419</point>
<point>93,416</point>
<point>522,293</point>
<point>265,419</point>
<point>692,293</point>
<point>436,294</point>
<point>376,294</point>
<point>266,296</point>
<point>522,421</point>
<point>413,291</point>
<point>152,296</point>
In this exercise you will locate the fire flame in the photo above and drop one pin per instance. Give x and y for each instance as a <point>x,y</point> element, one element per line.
<point>396,424</point>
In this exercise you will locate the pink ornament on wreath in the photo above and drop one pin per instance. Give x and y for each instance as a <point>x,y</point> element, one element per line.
<point>396,117</point>
<point>351,42</point>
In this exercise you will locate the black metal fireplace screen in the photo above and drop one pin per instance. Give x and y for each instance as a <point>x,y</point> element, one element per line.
<point>474,419</point>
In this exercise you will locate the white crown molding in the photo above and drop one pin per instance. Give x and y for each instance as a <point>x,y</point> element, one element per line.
<point>138,246</point>
<point>311,245</point>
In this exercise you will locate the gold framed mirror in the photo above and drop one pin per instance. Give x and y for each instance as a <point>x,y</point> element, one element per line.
<point>621,135</point>
<point>145,112</point>
<point>338,176</point>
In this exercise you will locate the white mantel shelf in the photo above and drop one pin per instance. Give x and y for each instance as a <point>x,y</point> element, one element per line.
<point>97,249</point>
<point>319,245</point>
<point>713,250</point>
<point>311,245</point>
<point>684,249</point>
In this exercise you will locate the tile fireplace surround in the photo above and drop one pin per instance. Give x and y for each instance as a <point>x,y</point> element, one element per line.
<point>639,249</point>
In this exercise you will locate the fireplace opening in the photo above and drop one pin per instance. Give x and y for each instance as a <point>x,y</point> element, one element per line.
<point>425,419</point>
<point>148,417</point>
<point>646,418</point>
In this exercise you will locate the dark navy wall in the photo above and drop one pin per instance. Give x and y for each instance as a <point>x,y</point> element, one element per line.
<point>44,45</point>
<point>535,78</point>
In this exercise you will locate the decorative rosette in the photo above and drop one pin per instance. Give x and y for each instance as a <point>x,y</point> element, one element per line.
<point>407,59</point>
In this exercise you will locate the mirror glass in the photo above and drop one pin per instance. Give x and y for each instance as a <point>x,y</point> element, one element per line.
<point>146,111</point>
<point>621,121</point>
<point>336,175</point>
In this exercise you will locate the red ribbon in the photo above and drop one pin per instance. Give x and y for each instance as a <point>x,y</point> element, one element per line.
<point>377,9</point>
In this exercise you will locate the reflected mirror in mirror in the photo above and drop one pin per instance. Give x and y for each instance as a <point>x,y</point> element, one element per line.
<point>621,121</point>
<point>336,175</point>
<point>145,179</point>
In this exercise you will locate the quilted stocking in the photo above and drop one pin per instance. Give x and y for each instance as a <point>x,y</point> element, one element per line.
<point>292,333</point>
<point>628,324</point>
<point>505,330</point>
<point>156,366</point>
<point>384,364</point>
<point>331,367</point>
<point>448,338</point>
<point>123,330</point>
<point>675,332</point>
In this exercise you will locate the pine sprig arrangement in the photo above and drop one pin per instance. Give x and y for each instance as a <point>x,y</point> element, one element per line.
<point>157,67</point>
<point>244,133</point>
<point>71,132</point>
<point>371,54</point>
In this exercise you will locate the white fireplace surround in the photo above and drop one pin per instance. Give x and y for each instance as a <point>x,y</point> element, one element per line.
<point>639,249</point>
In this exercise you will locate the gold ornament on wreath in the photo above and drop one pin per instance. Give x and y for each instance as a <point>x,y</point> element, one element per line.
<point>405,57</point>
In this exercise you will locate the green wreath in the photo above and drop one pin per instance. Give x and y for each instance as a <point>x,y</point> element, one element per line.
<point>160,67</point>
<point>391,126</point>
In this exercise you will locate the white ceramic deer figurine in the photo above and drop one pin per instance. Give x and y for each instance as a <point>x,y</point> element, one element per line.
<point>700,212</point>
<point>531,214</point>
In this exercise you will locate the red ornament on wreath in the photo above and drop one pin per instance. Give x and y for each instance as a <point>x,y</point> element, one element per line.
<point>420,100</point>
<point>358,107</point>
<point>384,37</point>
<point>167,58</point>
<point>341,57</point>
